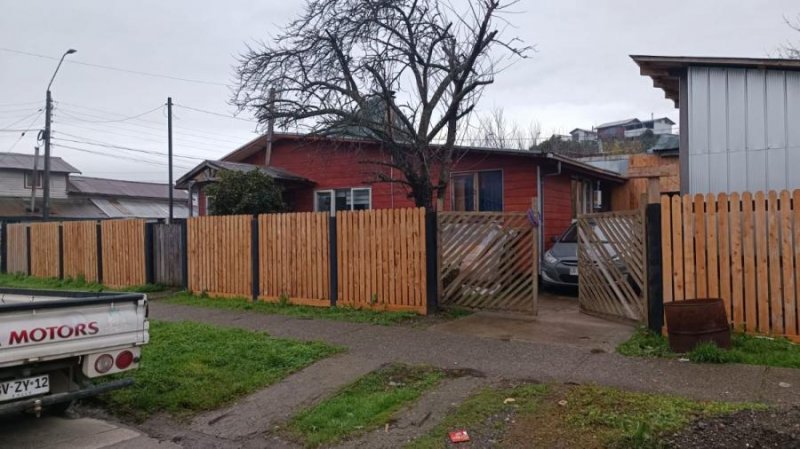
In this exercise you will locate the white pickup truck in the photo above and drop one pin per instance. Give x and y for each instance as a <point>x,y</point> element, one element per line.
<point>52,344</point>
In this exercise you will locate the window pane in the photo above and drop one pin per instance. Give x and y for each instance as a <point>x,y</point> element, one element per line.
<point>343,199</point>
<point>490,192</point>
<point>323,201</point>
<point>464,192</point>
<point>360,199</point>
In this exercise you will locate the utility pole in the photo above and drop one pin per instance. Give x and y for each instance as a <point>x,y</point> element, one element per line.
<point>34,179</point>
<point>270,127</point>
<point>48,116</point>
<point>169,153</point>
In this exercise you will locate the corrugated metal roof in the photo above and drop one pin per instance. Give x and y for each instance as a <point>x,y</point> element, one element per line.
<point>84,185</point>
<point>617,123</point>
<point>59,208</point>
<point>18,161</point>
<point>273,172</point>
<point>139,208</point>
<point>665,142</point>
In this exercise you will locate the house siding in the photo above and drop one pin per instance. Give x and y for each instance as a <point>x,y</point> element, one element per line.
<point>12,184</point>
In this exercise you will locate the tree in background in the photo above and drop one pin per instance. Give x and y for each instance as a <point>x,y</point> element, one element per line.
<point>248,193</point>
<point>791,50</point>
<point>402,73</point>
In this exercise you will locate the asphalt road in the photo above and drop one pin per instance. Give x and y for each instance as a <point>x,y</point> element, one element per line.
<point>29,432</point>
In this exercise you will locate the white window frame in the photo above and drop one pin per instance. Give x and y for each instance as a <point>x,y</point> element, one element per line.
<point>332,193</point>
<point>27,176</point>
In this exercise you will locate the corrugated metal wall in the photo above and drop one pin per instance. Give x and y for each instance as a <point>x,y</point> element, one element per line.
<point>744,130</point>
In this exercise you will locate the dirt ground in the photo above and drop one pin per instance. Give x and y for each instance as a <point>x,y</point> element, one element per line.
<point>775,429</point>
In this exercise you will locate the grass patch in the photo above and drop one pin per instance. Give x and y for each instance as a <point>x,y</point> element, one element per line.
<point>621,419</point>
<point>364,405</point>
<point>189,367</point>
<point>585,417</point>
<point>747,349</point>
<point>480,408</point>
<point>71,284</point>
<point>294,310</point>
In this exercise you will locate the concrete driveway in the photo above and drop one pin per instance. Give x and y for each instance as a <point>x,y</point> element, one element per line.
<point>28,432</point>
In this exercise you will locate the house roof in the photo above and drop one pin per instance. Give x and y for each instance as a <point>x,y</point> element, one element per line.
<point>666,119</point>
<point>88,186</point>
<point>259,143</point>
<point>667,70</point>
<point>618,123</point>
<point>584,130</point>
<point>140,207</point>
<point>59,208</point>
<point>272,172</point>
<point>19,161</point>
<point>666,143</point>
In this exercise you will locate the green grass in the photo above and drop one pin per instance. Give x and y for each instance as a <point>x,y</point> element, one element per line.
<point>294,310</point>
<point>364,405</point>
<point>190,367</point>
<point>476,410</point>
<point>622,419</point>
<point>76,284</point>
<point>747,349</point>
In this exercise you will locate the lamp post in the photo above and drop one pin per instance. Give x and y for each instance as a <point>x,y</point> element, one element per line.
<point>47,118</point>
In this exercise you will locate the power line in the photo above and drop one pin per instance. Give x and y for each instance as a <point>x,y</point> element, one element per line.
<point>41,111</point>
<point>232,117</point>
<point>118,156</point>
<point>120,147</point>
<point>119,120</point>
<point>116,69</point>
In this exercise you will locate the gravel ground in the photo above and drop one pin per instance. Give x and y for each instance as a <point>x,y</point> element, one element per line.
<point>774,429</point>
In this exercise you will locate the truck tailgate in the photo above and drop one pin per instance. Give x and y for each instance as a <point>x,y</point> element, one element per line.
<point>39,328</point>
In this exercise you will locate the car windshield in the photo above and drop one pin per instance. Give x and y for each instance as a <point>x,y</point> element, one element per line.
<point>570,235</point>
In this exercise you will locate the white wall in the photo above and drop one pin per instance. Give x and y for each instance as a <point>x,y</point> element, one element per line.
<point>744,130</point>
<point>12,184</point>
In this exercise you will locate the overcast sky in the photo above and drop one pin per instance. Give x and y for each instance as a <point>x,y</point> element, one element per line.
<point>579,76</point>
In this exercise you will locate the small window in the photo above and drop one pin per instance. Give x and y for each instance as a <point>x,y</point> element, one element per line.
<point>479,191</point>
<point>29,177</point>
<point>356,198</point>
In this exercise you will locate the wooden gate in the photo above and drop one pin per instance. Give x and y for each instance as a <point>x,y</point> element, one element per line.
<point>488,261</point>
<point>611,264</point>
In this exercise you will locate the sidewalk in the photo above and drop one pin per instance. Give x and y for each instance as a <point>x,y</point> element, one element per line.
<point>375,345</point>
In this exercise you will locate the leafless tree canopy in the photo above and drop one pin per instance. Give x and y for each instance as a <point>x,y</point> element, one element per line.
<point>400,72</point>
<point>791,50</point>
<point>494,130</point>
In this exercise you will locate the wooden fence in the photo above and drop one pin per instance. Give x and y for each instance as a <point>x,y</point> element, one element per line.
<point>743,248</point>
<point>294,259</point>
<point>44,250</point>
<point>381,259</point>
<point>123,251</point>
<point>80,250</point>
<point>17,248</point>
<point>219,255</point>
<point>168,254</point>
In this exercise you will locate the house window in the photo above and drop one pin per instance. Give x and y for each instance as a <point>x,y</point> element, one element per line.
<point>29,179</point>
<point>477,191</point>
<point>356,198</point>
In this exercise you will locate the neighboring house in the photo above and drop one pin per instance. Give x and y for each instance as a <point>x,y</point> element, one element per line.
<point>129,199</point>
<point>329,175</point>
<point>76,197</point>
<point>634,127</point>
<point>739,120</point>
<point>583,135</point>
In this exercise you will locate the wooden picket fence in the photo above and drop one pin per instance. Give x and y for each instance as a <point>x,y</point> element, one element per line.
<point>294,257</point>
<point>123,252</point>
<point>743,248</point>
<point>17,248</point>
<point>44,250</point>
<point>219,255</point>
<point>381,259</point>
<point>80,250</point>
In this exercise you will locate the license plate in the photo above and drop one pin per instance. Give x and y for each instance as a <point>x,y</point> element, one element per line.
<point>20,388</point>
<point>573,271</point>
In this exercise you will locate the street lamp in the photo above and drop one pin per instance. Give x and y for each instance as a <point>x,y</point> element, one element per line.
<point>47,118</point>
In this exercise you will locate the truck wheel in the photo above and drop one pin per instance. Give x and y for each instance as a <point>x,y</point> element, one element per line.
<point>59,409</point>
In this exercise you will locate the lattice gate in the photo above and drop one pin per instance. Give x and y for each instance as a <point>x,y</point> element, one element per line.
<point>488,261</point>
<point>611,264</point>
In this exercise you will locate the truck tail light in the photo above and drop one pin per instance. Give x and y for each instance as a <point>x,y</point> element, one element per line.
<point>103,363</point>
<point>124,359</point>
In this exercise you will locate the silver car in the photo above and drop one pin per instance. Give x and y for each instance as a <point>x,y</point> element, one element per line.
<point>560,262</point>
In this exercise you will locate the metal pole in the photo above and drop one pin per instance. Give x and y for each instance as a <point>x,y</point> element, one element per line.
<point>33,180</point>
<point>169,151</point>
<point>46,187</point>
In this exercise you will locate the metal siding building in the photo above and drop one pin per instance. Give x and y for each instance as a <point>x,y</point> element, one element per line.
<point>740,120</point>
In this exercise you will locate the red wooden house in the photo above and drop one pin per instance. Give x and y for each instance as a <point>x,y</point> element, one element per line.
<point>331,174</point>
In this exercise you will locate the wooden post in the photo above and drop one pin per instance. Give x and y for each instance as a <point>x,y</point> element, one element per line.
<point>254,262</point>
<point>28,248</point>
<point>654,291</point>
<point>333,262</point>
<point>99,236</point>
<point>431,261</point>
<point>184,254</point>
<point>4,247</point>
<point>149,271</point>
<point>535,255</point>
<point>60,251</point>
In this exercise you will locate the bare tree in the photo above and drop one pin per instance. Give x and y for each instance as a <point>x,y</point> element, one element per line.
<point>790,50</point>
<point>402,73</point>
<point>494,130</point>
